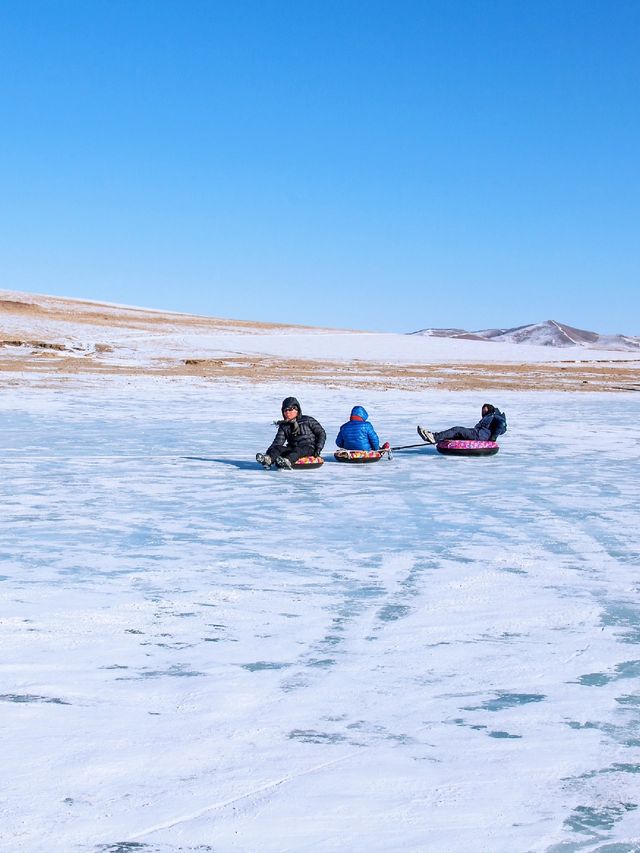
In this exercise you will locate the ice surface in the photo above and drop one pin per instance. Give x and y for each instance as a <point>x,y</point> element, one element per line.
<point>427,654</point>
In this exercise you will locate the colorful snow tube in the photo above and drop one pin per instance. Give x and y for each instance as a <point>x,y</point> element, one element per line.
<point>459,447</point>
<point>358,455</point>
<point>307,462</point>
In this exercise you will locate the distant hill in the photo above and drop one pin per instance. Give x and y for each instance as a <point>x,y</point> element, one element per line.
<point>550,333</point>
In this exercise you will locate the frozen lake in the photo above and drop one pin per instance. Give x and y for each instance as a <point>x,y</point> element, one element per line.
<point>427,654</point>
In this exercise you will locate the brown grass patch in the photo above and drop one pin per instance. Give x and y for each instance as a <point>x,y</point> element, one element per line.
<point>583,376</point>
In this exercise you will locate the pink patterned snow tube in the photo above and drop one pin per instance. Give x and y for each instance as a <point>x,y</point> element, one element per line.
<point>459,447</point>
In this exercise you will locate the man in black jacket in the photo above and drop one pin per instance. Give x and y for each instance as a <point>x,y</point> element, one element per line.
<point>492,424</point>
<point>298,435</point>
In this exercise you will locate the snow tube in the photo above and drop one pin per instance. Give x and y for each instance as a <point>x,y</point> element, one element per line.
<point>307,462</point>
<point>459,447</point>
<point>358,455</point>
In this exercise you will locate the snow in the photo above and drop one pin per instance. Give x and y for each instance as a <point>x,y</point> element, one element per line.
<point>427,654</point>
<point>389,347</point>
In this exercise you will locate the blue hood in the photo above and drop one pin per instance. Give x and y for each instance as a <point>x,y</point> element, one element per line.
<point>359,412</point>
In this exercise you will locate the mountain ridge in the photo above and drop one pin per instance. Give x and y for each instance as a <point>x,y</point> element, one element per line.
<point>549,333</point>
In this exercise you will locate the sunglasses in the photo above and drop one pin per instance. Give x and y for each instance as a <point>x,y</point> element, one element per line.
<point>291,409</point>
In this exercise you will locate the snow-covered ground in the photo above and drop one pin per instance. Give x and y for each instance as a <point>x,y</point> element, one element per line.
<point>392,348</point>
<point>427,654</point>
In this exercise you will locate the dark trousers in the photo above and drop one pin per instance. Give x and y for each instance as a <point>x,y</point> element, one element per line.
<point>289,453</point>
<point>464,433</point>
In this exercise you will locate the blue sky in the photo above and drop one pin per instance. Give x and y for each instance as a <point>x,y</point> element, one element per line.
<point>367,165</point>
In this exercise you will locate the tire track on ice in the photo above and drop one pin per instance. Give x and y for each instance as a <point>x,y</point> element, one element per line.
<point>214,806</point>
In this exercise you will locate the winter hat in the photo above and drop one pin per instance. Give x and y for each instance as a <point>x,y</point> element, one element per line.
<point>289,403</point>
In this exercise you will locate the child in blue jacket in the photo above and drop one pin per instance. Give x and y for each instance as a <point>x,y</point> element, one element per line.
<point>357,433</point>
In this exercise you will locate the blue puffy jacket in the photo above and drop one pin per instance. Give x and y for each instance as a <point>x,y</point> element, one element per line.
<point>357,433</point>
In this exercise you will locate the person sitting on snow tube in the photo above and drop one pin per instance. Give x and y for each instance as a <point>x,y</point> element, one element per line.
<point>358,433</point>
<point>492,424</point>
<point>298,435</point>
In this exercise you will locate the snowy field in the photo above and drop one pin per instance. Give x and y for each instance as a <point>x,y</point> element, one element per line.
<point>427,654</point>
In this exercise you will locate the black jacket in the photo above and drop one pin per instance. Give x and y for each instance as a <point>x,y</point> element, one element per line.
<point>304,434</point>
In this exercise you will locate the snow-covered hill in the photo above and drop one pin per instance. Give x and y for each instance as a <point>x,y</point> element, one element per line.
<point>115,334</point>
<point>51,335</point>
<point>550,333</point>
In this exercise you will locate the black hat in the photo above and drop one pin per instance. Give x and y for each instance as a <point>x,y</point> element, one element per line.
<point>289,403</point>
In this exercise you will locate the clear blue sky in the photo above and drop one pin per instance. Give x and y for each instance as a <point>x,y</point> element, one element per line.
<point>376,165</point>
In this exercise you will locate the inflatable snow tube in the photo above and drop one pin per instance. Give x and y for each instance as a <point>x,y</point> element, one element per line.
<point>358,456</point>
<point>307,462</point>
<point>458,447</point>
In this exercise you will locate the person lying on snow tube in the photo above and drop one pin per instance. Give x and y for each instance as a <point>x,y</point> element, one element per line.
<point>358,433</point>
<point>298,435</point>
<point>492,424</point>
